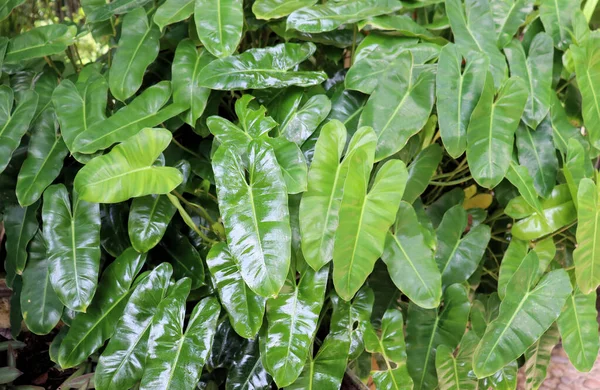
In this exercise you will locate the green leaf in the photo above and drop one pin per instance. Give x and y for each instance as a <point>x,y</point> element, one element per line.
<point>327,17</point>
<point>7,7</point>
<point>149,217</point>
<point>556,17</point>
<point>175,357</point>
<point>578,329</point>
<point>291,325</point>
<point>456,257</point>
<point>79,106</point>
<point>300,122</point>
<point>410,262</point>
<point>536,153</point>
<point>127,171</point>
<point>188,65</point>
<point>144,111</point>
<point>587,254</point>
<point>427,329</point>
<point>219,25</point>
<point>364,219</point>
<point>512,260</point>
<point>73,246</point>
<point>103,11</point>
<point>244,307</point>
<point>262,68</point>
<point>292,163</point>
<point>91,329</point>
<point>122,363</point>
<point>275,9</point>
<point>255,215</point>
<point>20,224</point>
<point>402,25</point>
<point>39,303</point>
<point>39,42</point>
<point>576,166</point>
<point>587,68</point>
<point>562,129</point>
<point>45,155</point>
<point>420,171</point>
<point>474,30</point>
<point>14,125</point>
<point>400,105</point>
<point>559,211</point>
<point>457,95</point>
<point>113,230</point>
<point>390,345</point>
<point>249,372</point>
<point>9,374</point>
<point>349,318</point>
<point>526,312</point>
<point>508,16</point>
<point>453,373</point>
<point>186,260</point>
<point>138,48</point>
<point>173,11</point>
<point>490,135</point>
<point>538,357</point>
<point>519,176</point>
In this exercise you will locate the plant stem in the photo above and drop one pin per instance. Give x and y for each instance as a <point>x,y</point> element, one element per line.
<point>450,183</point>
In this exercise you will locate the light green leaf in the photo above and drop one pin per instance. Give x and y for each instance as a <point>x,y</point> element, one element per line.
<point>457,93</point>
<point>219,25</point>
<point>508,16</point>
<point>301,122</point>
<point>410,262</point>
<point>262,68</point>
<point>490,135</point>
<point>519,177</point>
<point>292,323</point>
<point>148,219</point>
<point>556,17</point>
<point>138,48</point>
<point>20,225</point>
<point>562,129</point>
<point>39,42</point>
<point>327,17</point>
<point>292,164</point>
<point>453,374</point>
<point>91,329</point>
<point>576,166</point>
<point>586,256</point>
<point>127,171</point>
<point>512,260</point>
<point>402,25</point>
<point>400,105</point>
<point>538,358</point>
<point>39,303</point>
<point>173,11</point>
<point>73,240</point>
<point>103,11</point>
<point>420,171</point>
<point>255,215</point>
<point>275,9</point>
<point>14,123</point>
<point>349,318</point>
<point>526,312</point>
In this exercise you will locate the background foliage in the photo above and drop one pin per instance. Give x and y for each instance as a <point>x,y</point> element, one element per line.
<point>295,193</point>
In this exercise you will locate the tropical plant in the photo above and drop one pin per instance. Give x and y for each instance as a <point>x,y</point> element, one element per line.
<point>301,193</point>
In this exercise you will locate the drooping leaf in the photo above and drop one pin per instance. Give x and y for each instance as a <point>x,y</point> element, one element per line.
<point>138,48</point>
<point>556,17</point>
<point>490,135</point>
<point>121,365</point>
<point>402,25</point>
<point>364,219</point>
<point>508,16</point>
<point>536,153</point>
<point>188,65</point>
<point>420,171</point>
<point>91,329</point>
<point>40,305</point>
<point>292,163</point>
<point>219,25</point>
<point>262,68</point>
<point>127,171</point>
<point>327,17</point>
<point>410,262</point>
<point>562,129</point>
<point>301,122</point>
<point>349,318</point>
<point>291,325</point>
<point>578,330</point>
<point>248,371</point>
<point>149,217</point>
<point>587,254</point>
<point>185,258</point>
<point>260,236</point>
<point>576,167</point>
<point>14,123</point>
<point>20,224</point>
<point>426,329</point>
<point>173,11</point>
<point>113,229</point>
<point>396,116</point>
<point>519,177</point>
<point>527,311</point>
<point>457,95</point>
<point>538,358</point>
<point>72,236</point>
<point>244,307</point>
<point>39,42</point>
<point>275,9</point>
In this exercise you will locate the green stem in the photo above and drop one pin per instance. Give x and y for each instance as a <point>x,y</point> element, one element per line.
<point>201,211</point>
<point>450,183</point>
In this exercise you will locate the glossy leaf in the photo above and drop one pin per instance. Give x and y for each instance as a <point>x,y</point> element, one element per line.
<point>410,262</point>
<point>490,135</point>
<point>127,170</point>
<point>538,357</point>
<point>13,125</point>
<point>122,362</point>
<point>244,307</point>
<point>40,305</point>
<point>457,93</point>
<point>291,325</point>
<point>576,167</point>
<point>103,11</point>
<point>519,177</point>
<point>20,224</point>
<point>184,257</point>
<point>400,105</point>
<point>420,171</point>
<point>556,17</point>
<point>39,42</point>
<point>255,215</point>
<point>248,372</point>
<point>138,48</point>
<point>262,68</point>
<point>402,25</point>
<point>512,260</point>
<point>91,329</point>
<point>149,217</point>
<point>562,129</point>
<point>173,11</point>
<point>586,256</point>
<point>537,154</point>
<point>219,25</point>
<point>275,9</point>
<point>301,122</point>
<point>508,16</point>
<point>527,311</point>
<point>72,236</point>
<point>452,373</point>
<point>292,163</point>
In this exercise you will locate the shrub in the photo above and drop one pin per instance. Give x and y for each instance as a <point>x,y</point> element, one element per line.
<point>294,193</point>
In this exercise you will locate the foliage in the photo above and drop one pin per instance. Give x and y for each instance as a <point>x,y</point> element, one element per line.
<point>292,193</point>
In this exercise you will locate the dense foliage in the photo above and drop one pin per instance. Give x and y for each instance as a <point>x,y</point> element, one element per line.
<point>296,193</point>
